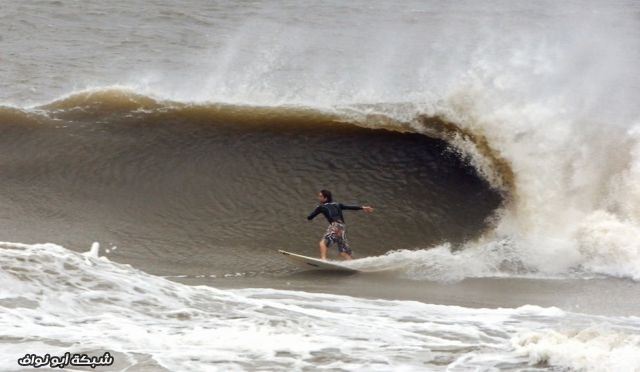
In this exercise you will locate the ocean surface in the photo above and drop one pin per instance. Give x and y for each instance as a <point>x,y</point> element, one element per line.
<point>155,155</point>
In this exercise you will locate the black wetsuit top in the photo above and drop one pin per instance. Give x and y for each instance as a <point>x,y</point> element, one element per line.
<point>333,211</point>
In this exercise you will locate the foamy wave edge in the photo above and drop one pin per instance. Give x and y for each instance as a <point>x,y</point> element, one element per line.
<point>56,300</point>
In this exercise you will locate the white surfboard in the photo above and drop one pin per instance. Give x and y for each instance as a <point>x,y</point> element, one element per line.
<point>315,263</point>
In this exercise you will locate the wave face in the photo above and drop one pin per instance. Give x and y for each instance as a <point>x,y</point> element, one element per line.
<point>221,186</point>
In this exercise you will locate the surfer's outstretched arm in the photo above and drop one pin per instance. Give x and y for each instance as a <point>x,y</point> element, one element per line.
<point>365,208</point>
<point>314,213</point>
<point>347,207</point>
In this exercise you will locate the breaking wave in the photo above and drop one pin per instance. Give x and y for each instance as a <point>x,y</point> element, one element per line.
<point>569,196</point>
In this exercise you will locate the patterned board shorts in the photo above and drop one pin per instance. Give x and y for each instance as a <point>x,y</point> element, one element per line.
<point>336,233</point>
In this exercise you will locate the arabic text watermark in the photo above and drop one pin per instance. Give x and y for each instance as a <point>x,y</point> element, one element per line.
<point>67,359</point>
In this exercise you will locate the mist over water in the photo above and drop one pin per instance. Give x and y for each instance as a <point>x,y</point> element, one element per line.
<point>498,140</point>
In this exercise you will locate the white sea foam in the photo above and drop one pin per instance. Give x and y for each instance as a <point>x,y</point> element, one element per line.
<point>595,347</point>
<point>54,300</point>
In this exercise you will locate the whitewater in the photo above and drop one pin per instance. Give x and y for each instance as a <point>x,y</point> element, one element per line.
<point>152,323</point>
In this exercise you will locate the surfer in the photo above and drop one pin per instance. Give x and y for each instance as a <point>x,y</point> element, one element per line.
<point>336,232</point>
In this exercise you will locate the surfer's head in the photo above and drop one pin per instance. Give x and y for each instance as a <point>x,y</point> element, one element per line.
<point>324,196</point>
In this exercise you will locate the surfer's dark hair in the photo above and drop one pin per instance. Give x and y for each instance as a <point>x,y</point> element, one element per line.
<point>327,194</point>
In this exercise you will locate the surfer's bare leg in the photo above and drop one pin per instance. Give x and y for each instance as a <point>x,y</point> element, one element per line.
<point>346,256</point>
<point>323,250</point>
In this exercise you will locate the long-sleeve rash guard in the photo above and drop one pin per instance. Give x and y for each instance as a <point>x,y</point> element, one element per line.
<point>333,211</point>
